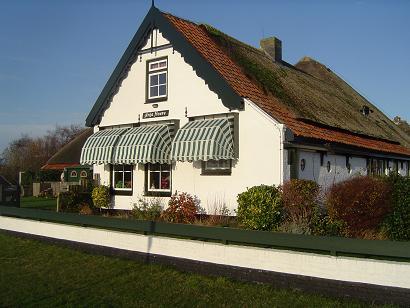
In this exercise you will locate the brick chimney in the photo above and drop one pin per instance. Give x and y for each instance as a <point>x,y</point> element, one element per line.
<point>272,46</point>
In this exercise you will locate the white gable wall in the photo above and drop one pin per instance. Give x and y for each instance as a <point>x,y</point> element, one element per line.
<point>185,90</point>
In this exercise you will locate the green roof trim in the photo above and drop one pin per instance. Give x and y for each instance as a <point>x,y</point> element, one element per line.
<point>156,19</point>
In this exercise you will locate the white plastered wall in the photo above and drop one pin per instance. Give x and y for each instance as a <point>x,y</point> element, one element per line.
<point>259,163</point>
<point>189,93</point>
<point>338,170</point>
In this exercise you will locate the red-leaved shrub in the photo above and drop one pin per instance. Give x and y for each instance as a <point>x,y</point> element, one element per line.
<point>360,203</point>
<point>299,199</point>
<point>182,208</point>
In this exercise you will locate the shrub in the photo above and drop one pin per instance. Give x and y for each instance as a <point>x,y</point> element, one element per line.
<point>71,201</point>
<point>300,205</point>
<point>182,208</point>
<point>68,202</point>
<point>218,214</point>
<point>322,224</point>
<point>147,208</point>
<point>101,196</point>
<point>360,203</point>
<point>85,209</point>
<point>397,224</point>
<point>260,208</point>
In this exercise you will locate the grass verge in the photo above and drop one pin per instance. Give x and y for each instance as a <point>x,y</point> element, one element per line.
<point>34,273</point>
<point>39,203</point>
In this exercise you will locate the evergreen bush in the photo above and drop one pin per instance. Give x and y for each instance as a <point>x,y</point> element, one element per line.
<point>397,224</point>
<point>260,208</point>
<point>147,208</point>
<point>101,196</point>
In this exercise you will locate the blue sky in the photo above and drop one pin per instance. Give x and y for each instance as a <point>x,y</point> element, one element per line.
<point>55,56</point>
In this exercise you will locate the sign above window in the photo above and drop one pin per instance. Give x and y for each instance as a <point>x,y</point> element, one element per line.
<point>155,114</point>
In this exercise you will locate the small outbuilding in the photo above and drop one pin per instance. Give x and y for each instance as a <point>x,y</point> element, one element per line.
<point>67,160</point>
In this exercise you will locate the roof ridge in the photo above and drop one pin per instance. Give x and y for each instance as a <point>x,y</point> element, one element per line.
<point>182,18</point>
<point>248,46</point>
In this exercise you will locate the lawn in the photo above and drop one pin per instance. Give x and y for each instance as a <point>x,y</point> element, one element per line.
<point>39,203</point>
<point>34,273</point>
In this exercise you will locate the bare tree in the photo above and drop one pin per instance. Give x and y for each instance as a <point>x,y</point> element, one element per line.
<point>27,153</point>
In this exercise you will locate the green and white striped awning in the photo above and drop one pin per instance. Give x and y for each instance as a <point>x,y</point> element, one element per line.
<point>203,140</point>
<point>99,147</point>
<point>144,144</point>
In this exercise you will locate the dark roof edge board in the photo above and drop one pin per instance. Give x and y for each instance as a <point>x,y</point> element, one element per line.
<point>347,131</point>
<point>155,19</point>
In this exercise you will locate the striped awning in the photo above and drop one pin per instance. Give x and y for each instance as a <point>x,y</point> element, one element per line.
<point>203,140</point>
<point>144,144</point>
<point>99,147</point>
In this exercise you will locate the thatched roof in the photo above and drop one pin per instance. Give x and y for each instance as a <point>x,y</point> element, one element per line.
<point>68,155</point>
<point>311,91</point>
<point>313,108</point>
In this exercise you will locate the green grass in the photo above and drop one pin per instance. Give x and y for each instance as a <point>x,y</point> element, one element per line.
<point>39,203</point>
<point>34,273</point>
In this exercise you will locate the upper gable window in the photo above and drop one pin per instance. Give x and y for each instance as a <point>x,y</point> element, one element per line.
<point>157,80</point>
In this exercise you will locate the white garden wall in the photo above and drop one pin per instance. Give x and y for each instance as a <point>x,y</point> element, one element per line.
<point>377,272</point>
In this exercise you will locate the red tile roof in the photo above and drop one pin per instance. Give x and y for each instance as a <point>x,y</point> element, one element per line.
<point>198,36</point>
<point>58,166</point>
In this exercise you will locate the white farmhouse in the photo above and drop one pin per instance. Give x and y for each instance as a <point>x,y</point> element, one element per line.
<point>190,109</point>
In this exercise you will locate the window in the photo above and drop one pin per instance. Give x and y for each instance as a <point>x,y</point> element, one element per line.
<point>348,165</point>
<point>158,179</point>
<point>376,166</point>
<point>83,174</point>
<point>291,156</point>
<point>328,166</point>
<point>366,110</point>
<point>395,166</point>
<point>122,179</point>
<point>157,80</point>
<point>73,174</point>
<point>322,158</point>
<point>217,167</point>
<point>302,164</point>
